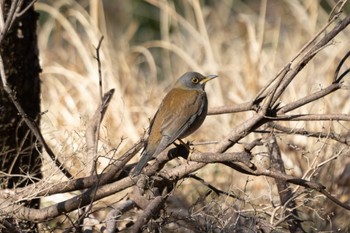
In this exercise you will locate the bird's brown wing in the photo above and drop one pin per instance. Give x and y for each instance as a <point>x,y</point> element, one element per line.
<point>171,121</point>
<point>186,106</point>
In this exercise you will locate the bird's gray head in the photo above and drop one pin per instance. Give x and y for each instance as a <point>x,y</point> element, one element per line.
<point>193,80</point>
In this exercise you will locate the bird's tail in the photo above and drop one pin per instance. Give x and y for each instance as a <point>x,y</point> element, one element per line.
<point>141,164</point>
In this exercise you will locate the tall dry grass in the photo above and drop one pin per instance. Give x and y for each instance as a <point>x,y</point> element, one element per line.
<point>245,42</point>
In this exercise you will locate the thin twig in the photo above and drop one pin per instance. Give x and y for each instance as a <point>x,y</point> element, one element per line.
<point>336,73</point>
<point>310,117</point>
<point>310,98</point>
<point>98,59</point>
<point>19,14</point>
<point>34,128</point>
<point>308,133</point>
<point>9,19</point>
<point>214,189</point>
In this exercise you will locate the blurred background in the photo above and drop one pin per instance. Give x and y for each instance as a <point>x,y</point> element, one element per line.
<point>148,44</point>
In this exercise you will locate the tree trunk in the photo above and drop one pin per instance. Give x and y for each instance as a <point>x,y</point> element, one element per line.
<point>20,160</point>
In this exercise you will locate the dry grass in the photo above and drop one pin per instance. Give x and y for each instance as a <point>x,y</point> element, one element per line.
<point>245,42</point>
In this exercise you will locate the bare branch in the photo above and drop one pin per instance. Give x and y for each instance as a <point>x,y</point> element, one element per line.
<point>19,13</point>
<point>248,106</point>
<point>92,131</point>
<point>337,78</point>
<point>311,117</point>
<point>214,189</point>
<point>308,99</point>
<point>311,53</point>
<point>9,19</point>
<point>284,191</point>
<point>30,123</point>
<point>114,214</point>
<point>42,188</point>
<point>98,59</point>
<point>332,135</point>
<point>151,188</point>
<point>151,210</point>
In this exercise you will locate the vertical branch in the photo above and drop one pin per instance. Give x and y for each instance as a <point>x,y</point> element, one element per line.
<point>99,67</point>
<point>284,191</point>
<point>93,130</point>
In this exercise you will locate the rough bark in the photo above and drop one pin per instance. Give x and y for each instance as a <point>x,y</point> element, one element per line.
<point>20,160</point>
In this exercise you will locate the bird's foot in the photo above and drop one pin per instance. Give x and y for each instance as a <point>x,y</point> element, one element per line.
<point>187,144</point>
<point>182,149</point>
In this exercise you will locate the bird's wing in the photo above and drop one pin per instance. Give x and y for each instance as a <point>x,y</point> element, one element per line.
<point>186,106</point>
<point>171,121</point>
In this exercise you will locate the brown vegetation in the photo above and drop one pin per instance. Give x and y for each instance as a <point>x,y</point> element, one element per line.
<point>272,156</point>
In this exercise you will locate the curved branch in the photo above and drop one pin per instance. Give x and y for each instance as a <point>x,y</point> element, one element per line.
<point>300,131</point>
<point>311,117</point>
<point>308,99</point>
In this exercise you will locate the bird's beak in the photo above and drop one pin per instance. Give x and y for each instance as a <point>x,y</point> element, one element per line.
<point>208,78</point>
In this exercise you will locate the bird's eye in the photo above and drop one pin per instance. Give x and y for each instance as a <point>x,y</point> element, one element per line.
<point>195,80</point>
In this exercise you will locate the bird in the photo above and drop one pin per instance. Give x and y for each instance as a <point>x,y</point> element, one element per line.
<point>181,112</point>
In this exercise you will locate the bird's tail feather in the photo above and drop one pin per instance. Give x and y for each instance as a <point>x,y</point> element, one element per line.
<point>141,164</point>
